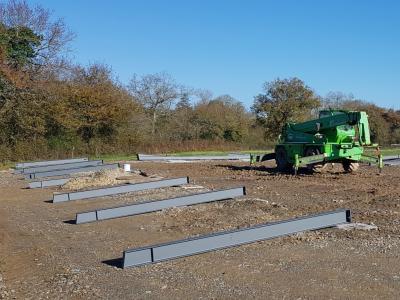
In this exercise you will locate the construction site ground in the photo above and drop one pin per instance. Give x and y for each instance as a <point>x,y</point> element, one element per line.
<point>43,255</point>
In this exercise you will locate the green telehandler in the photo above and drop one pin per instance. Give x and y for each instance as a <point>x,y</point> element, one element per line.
<point>337,136</point>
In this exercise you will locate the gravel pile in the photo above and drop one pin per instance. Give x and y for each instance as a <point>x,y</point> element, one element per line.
<point>105,178</point>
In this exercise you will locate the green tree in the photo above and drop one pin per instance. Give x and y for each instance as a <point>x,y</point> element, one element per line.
<point>284,100</point>
<point>222,118</point>
<point>181,125</point>
<point>19,45</point>
<point>184,101</point>
<point>92,104</point>
<point>48,35</point>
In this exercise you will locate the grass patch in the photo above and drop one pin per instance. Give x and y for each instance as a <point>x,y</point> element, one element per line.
<point>123,157</point>
<point>217,153</point>
<point>7,165</point>
<point>115,157</point>
<point>386,151</point>
<point>257,151</point>
<point>199,153</point>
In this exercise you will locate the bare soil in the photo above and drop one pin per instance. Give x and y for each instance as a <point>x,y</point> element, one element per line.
<point>44,256</point>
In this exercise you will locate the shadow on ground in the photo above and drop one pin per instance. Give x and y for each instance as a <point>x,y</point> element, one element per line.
<point>115,262</point>
<point>70,222</point>
<point>268,171</point>
<point>273,171</point>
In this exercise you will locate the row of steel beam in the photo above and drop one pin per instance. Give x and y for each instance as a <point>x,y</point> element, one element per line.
<point>44,170</point>
<point>180,248</point>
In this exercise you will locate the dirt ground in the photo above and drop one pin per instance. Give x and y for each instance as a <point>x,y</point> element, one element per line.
<point>43,255</point>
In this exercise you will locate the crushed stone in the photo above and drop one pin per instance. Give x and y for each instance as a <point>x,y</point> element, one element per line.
<point>358,226</point>
<point>105,178</point>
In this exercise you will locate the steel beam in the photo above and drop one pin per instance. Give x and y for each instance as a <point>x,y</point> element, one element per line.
<point>71,171</point>
<point>145,157</point>
<point>120,189</point>
<point>151,206</point>
<point>75,165</point>
<point>392,162</point>
<point>390,157</point>
<point>47,183</point>
<point>49,162</point>
<point>226,239</point>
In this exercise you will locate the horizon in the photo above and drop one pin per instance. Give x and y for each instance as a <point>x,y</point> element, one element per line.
<point>232,48</point>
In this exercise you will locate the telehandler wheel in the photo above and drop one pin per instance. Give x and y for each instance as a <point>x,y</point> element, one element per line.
<point>350,166</point>
<point>281,159</point>
<point>314,167</point>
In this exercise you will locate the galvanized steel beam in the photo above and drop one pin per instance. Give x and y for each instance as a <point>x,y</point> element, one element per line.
<point>48,183</point>
<point>75,165</point>
<point>121,189</point>
<point>226,239</point>
<point>71,171</point>
<point>151,206</point>
<point>392,162</point>
<point>49,162</point>
<point>146,157</point>
<point>390,157</point>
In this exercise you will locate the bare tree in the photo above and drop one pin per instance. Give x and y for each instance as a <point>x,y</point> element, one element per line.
<point>157,92</point>
<point>54,34</point>
<point>204,95</point>
<point>335,100</point>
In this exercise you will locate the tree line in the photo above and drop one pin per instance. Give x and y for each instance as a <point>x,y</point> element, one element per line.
<point>52,107</point>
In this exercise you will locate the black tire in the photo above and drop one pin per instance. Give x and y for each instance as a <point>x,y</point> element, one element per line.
<point>281,158</point>
<point>350,166</point>
<point>310,151</point>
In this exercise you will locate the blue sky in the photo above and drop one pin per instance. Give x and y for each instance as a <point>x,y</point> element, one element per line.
<point>233,47</point>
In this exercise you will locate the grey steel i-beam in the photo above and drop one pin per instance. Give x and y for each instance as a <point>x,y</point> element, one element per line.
<point>389,157</point>
<point>391,160</point>
<point>75,165</point>
<point>49,162</point>
<point>156,205</point>
<point>226,239</point>
<point>48,183</point>
<point>120,189</point>
<point>146,157</point>
<point>71,171</point>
